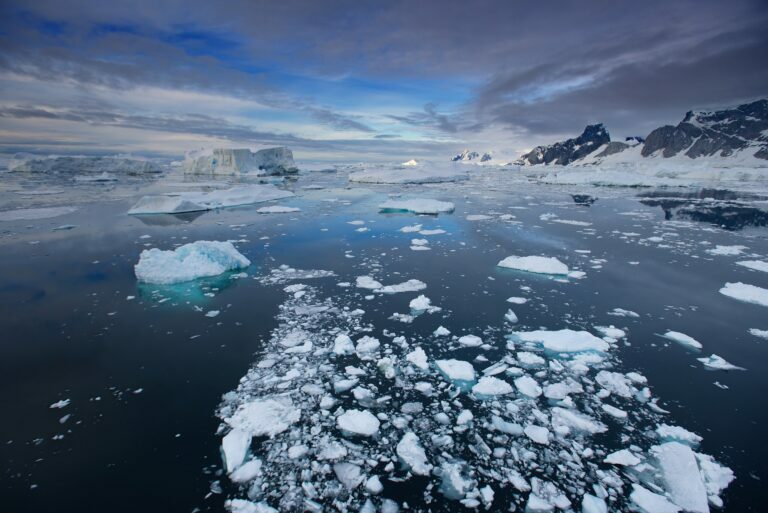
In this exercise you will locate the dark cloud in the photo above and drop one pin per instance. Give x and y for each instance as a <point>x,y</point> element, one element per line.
<point>536,68</point>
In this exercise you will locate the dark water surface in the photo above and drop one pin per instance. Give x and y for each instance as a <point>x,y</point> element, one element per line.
<point>145,376</point>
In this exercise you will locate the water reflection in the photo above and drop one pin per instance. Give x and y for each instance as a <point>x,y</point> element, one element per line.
<point>730,210</point>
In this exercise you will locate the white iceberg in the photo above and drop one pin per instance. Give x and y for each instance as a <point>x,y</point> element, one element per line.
<point>225,161</point>
<point>715,362</point>
<point>188,262</point>
<point>456,370</point>
<point>683,339</point>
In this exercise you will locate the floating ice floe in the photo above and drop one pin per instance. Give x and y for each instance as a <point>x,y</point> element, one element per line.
<point>755,265</point>
<point>727,250</point>
<point>537,264</point>
<point>266,416</point>
<point>715,362</point>
<point>682,339</point>
<point>198,201</point>
<point>31,214</point>
<point>358,422</point>
<point>488,386</point>
<point>417,206</point>
<point>759,333</point>
<point>277,209</point>
<point>745,292</point>
<point>188,262</point>
<point>563,341</point>
<point>457,370</point>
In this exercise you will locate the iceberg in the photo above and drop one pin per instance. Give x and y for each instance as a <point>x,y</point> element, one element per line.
<point>175,203</point>
<point>535,264</point>
<point>417,206</point>
<point>234,447</point>
<point>755,265</point>
<point>87,165</point>
<point>715,362</point>
<point>225,161</point>
<point>188,262</point>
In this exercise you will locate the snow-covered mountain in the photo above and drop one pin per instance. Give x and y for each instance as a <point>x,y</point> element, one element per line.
<point>739,133</point>
<point>472,156</point>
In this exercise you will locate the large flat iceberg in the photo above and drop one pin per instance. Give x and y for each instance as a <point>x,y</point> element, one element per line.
<point>564,341</point>
<point>411,174</point>
<point>197,201</point>
<point>745,292</point>
<point>188,262</point>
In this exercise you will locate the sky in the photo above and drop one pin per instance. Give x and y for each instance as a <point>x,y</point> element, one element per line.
<point>365,80</point>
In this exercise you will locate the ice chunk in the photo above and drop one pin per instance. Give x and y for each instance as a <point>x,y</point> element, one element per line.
<point>564,341</point>
<point>649,502</point>
<point>669,433</point>
<point>441,332</point>
<point>234,447</point>
<point>573,420</point>
<point>611,332</point>
<point>511,316</point>
<point>757,265</point>
<point>454,484</point>
<point>342,344</point>
<point>412,454</point>
<point>358,422</point>
<point>366,282</point>
<point>188,262</point>
<point>745,292</point>
<point>456,370</point>
<point>538,434</point>
<point>680,473</point>
<point>517,300</point>
<point>349,474</point>
<point>528,386</point>
<point>592,504</point>
<point>60,404</point>
<point>683,339</point>
<point>418,358</point>
<point>715,362</point>
<point>470,341</point>
<point>366,346</point>
<point>727,250</point>
<point>489,386</point>
<point>535,264</point>
<point>417,206</point>
<point>623,457</point>
<point>759,333</point>
<point>244,506</point>
<point>616,383</point>
<point>716,477</point>
<point>406,286</point>
<point>266,416</point>
<point>556,391</point>
<point>423,304</point>
<point>246,472</point>
<point>614,412</point>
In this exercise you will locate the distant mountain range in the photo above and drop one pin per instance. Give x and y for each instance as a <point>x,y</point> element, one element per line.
<point>471,156</point>
<point>724,133</point>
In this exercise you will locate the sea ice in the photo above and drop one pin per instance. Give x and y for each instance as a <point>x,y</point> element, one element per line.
<point>623,457</point>
<point>418,358</point>
<point>649,502</point>
<point>417,206</point>
<point>681,476</point>
<point>266,416</point>
<point>470,341</point>
<point>528,386</point>
<point>564,341</point>
<point>406,286</point>
<point>727,250</point>
<point>538,434</point>
<point>745,292</point>
<point>669,433</point>
<point>757,265</point>
<point>715,362</point>
<point>593,504</point>
<point>411,174</point>
<point>489,386</point>
<point>683,339</point>
<point>235,446</point>
<point>196,201</point>
<point>456,370</point>
<point>188,262</point>
<point>535,264</point>
<point>412,454</point>
<point>358,422</point>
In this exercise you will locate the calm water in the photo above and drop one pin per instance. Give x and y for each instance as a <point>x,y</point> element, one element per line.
<point>145,376</point>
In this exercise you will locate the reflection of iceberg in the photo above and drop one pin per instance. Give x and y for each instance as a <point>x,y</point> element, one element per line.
<point>169,219</point>
<point>727,209</point>
<point>174,203</point>
<point>195,292</point>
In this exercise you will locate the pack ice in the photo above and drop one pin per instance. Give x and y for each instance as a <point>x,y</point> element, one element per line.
<point>188,262</point>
